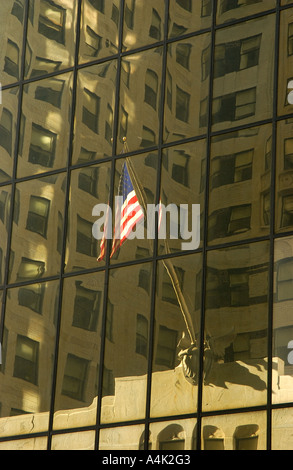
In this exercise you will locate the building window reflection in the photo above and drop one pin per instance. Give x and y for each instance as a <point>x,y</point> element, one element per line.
<point>38,215</point>
<point>74,379</point>
<point>26,359</point>
<point>52,20</point>
<point>141,335</point>
<point>237,55</point>
<point>86,308</point>
<point>6,130</point>
<point>166,347</point>
<point>285,279</point>
<point>11,66</point>
<point>43,146</point>
<point>52,93</point>
<point>30,269</point>
<point>246,437</point>
<point>32,297</point>
<point>235,106</point>
<point>287,211</point>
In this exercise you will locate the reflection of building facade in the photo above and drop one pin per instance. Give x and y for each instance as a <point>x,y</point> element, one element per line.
<point>155,347</point>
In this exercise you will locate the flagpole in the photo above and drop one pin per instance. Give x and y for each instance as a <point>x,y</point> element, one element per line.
<point>167,262</point>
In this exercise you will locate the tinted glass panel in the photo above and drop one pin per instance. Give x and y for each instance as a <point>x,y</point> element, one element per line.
<point>281,429</point>
<point>240,185</point>
<point>94,116</point>
<point>187,16</point>
<point>50,37</point>
<point>236,327</point>
<point>99,29</point>
<point>242,431</point>
<point>89,188</point>
<point>135,182</point>
<point>182,197</point>
<point>128,437</point>
<point>11,35</point>
<point>140,92</point>
<point>241,93</point>
<point>45,125</point>
<point>28,351</point>
<point>143,23</point>
<point>39,204</point>
<point>79,351</point>
<point>127,343</point>
<point>176,336</point>
<point>187,87</point>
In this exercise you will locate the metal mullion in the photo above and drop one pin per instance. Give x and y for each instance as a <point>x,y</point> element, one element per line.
<point>65,226</point>
<point>13,183</point>
<point>205,238</point>
<point>272,228</point>
<point>155,244</point>
<point>108,248</point>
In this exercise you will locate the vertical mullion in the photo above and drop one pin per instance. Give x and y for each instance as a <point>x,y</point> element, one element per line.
<point>65,226</point>
<point>205,232</point>
<point>109,247</point>
<point>272,228</point>
<point>14,171</point>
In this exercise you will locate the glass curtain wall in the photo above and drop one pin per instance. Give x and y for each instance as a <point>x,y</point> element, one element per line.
<point>159,344</point>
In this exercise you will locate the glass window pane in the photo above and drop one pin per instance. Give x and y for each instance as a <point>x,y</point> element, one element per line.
<point>241,431</point>
<point>143,23</point>
<point>121,438</point>
<point>74,441</point>
<point>37,233</point>
<point>89,189</point>
<point>188,16</point>
<point>182,186</point>
<point>94,118</point>
<point>175,435</point>
<point>187,86</point>
<point>45,126</point>
<point>28,350</point>
<point>235,359</point>
<point>282,424</point>
<point>11,27</point>
<point>99,29</point>
<point>79,351</point>
<point>51,37</point>
<point>240,95</point>
<point>176,335</point>
<point>138,99</point>
<point>135,183</point>
<point>126,346</point>
<point>240,182</point>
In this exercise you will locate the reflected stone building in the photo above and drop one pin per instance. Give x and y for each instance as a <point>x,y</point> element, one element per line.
<point>157,346</point>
